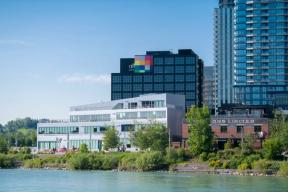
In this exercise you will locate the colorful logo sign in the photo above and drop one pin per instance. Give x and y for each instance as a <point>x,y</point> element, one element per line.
<point>143,63</point>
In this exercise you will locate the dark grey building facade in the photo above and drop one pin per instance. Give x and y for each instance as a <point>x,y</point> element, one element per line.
<point>160,72</point>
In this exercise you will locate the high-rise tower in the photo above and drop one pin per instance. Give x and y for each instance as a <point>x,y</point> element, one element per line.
<point>261,52</point>
<point>223,52</point>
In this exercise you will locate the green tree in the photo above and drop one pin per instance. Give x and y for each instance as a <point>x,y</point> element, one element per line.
<point>153,136</point>
<point>228,144</point>
<point>200,133</point>
<point>111,138</point>
<point>83,148</point>
<point>272,148</point>
<point>3,145</point>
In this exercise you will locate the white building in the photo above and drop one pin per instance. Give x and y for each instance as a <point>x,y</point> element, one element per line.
<point>88,122</point>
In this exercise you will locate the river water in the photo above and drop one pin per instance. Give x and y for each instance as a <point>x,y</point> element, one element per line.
<point>16,180</point>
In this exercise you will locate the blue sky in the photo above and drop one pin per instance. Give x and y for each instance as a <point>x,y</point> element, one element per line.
<point>59,53</point>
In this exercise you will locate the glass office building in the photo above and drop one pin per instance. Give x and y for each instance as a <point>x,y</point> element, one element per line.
<point>223,52</point>
<point>261,52</point>
<point>160,72</point>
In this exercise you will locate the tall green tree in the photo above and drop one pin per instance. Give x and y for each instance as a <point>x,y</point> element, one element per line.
<point>3,145</point>
<point>111,138</point>
<point>153,136</point>
<point>200,132</point>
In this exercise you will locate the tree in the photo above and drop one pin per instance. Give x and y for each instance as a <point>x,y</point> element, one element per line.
<point>153,136</point>
<point>200,133</point>
<point>272,148</point>
<point>3,145</point>
<point>228,144</point>
<point>111,138</point>
<point>83,148</point>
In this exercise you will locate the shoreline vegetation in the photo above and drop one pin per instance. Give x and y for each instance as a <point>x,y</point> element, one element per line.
<point>171,160</point>
<point>202,154</point>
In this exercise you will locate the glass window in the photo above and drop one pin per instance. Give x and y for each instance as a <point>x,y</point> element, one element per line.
<point>257,128</point>
<point>127,128</point>
<point>127,87</point>
<point>158,61</point>
<point>158,87</point>
<point>190,69</point>
<point>127,79</point>
<point>179,60</point>
<point>127,95</point>
<point>158,78</point>
<point>116,96</point>
<point>179,87</point>
<point>137,87</point>
<point>169,78</point>
<point>148,87</point>
<point>190,86</point>
<point>190,60</point>
<point>169,87</point>
<point>148,78</point>
<point>240,129</point>
<point>116,78</point>
<point>158,69</point>
<point>126,115</point>
<point>137,79</point>
<point>179,78</point>
<point>190,77</point>
<point>116,87</point>
<point>169,69</point>
<point>190,95</point>
<point>179,69</point>
<point>223,129</point>
<point>169,60</point>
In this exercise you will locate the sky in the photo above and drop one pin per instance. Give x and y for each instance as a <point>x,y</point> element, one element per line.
<point>59,53</point>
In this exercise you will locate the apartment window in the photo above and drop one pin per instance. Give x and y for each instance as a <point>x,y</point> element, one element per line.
<point>190,69</point>
<point>190,77</point>
<point>179,78</point>
<point>179,69</point>
<point>190,60</point>
<point>127,79</point>
<point>223,129</point>
<point>148,79</point>
<point>158,78</point>
<point>127,128</point>
<point>169,87</point>
<point>137,87</point>
<point>179,60</point>
<point>158,87</point>
<point>127,87</point>
<point>127,95</point>
<point>169,69</point>
<point>240,129</point>
<point>132,105</point>
<point>169,78</point>
<point>158,61</point>
<point>257,128</point>
<point>116,87</point>
<point>116,79</point>
<point>158,69</point>
<point>169,61</point>
<point>148,87</point>
<point>137,79</point>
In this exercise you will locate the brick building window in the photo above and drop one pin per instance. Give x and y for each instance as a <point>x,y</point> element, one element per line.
<point>223,129</point>
<point>240,129</point>
<point>257,128</point>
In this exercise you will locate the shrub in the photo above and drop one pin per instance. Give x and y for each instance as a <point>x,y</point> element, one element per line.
<point>7,161</point>
<point>203,156</point>
<point>272,148</point>
<point>128,162</point>
<point>83,148</point>
<point>225,165</point>
<point>79,161</point>
<point>149,161</point>
<point>215,163</point>
<point>33,163</point>
<point>228,144</point>
<point>265,166</point>
<point>283,171</point>
<point>181,154</point>
<point>234,162</point>
<point>171,156</point>
<point>110,162</point>
<point>243,166</point>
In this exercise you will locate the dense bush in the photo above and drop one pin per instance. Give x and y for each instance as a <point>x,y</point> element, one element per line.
<point>7,161</point>
<point>149,161</point>
<point>203,156</point>
<point>174,155</point>
<point>128,162</point>
<point>283,170</point>
<point>33,163</point>
<point>266,166</point>
<point>243,166</point>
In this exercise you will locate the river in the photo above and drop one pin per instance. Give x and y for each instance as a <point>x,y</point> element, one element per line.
<point>16,180</point>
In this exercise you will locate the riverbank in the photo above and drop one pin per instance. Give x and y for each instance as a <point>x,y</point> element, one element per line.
<point>174,161</point>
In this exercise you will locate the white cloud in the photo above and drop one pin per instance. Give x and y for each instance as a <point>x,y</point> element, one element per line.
<point>86,78</point>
